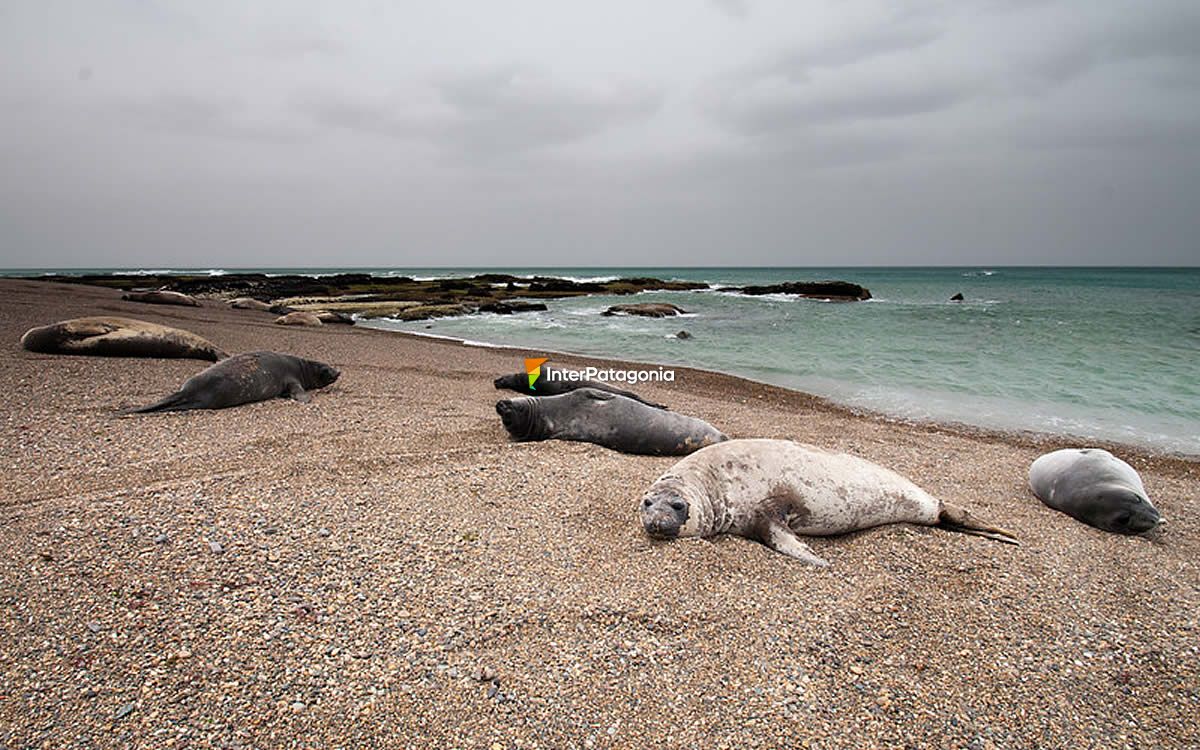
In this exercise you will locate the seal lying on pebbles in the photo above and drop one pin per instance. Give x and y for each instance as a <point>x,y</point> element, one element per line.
<point>547,387</point>
<point>118,337</point>
<point>245,378</point>
<point>1094,486</point>
<point>606,419</point>
<point>772,490</point>
<point>249,303</point>
<point>162,297</point>
<point>298,319</point>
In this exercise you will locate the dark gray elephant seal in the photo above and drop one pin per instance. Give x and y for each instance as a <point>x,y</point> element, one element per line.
<point>544,386</point>
<point>162,297</point>
<point>606,419</point>
<point>1094,486</point>
<point>118,337</point>
<point>245,378</point>
<point>773,490</point>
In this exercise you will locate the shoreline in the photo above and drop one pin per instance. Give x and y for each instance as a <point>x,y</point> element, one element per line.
<point>384,567</point>
<point>1026,438</point>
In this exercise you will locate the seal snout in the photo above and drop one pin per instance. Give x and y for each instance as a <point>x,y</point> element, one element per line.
<point>663,516</point>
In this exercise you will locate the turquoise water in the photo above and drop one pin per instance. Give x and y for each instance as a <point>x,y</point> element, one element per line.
<point>1105,353</point>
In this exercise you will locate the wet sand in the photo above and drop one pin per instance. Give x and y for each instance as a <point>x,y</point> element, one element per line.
<point>339,574</point>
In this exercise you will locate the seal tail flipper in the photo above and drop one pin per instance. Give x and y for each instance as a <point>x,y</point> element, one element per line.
<point>175,402</point>
<point>954,518</point>
<point>783,540</point>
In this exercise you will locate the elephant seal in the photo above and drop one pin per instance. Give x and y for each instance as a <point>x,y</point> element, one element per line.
<point>298,319</point>
<point>773,490</point>
<point>606,419</point>
<point>245,378</point>
<point>249,303</point>
<point>162,297</point>
<point>118,337</point>
<point>547,387</point>
<point>333,317</point>
<point>1094,486</point>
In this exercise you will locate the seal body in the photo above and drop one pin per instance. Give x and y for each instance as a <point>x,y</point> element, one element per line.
<point>118,337</point>
<point>162,297</point>
<point>298,319</point>
<point>547,387</point>
<point>774,490</point>
<point>245,378</point>
<point>249,303</point>
<point>1094,486</point>
<point>606,419</point>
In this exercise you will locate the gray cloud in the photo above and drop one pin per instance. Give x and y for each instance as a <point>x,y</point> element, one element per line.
<point>491,114</point>
<point>861,131</point>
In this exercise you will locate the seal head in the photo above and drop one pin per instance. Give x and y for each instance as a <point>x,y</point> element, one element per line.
<point>665,510</point>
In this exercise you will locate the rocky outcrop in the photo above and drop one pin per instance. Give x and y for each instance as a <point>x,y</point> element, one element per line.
<point>646,309</point>
<point>834,291</point>
<point>508,308</point>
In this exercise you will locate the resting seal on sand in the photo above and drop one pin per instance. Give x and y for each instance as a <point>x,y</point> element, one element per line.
<point>547,387</point>
<point>772,490</point>
<point>1094,486</point>
<point>298,319</point>
<point>606,419</point>
<point>162,297</point>
<point>249,303</point>
<point>245,378</point>
<point>118,337</point>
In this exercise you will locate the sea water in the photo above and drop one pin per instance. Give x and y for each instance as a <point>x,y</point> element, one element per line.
<point>1098,353</point>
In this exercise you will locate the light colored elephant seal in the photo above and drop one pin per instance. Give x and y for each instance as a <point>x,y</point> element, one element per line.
<point>162,297</point>
<point>118,337</point>
<point>249,303</point>
<point>1094,486</point>
<point>607,419</point>
<point>773,490</point>
<point>298,319</point>
<point>245,378</point>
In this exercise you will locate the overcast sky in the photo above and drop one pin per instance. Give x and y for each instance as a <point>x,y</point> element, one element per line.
<point>672,132</point>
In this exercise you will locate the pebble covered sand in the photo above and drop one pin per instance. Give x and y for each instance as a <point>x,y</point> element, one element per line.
<point>382,567</point>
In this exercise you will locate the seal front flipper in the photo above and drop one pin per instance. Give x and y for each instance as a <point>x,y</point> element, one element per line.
<point>954,518</point>
<point>296,392</point>
<point>782,539</point>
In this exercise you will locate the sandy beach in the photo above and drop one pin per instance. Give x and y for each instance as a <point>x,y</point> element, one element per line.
<point>344,573</point>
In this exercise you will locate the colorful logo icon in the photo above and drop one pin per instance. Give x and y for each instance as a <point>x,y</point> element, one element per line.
<point>534,369</point>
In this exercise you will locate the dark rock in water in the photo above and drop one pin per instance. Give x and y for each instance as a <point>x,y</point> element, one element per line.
<point>838,291</point>
<point>683,335</point>
<point>957,298</point>
<point>508,308</point>
<point>646,309</point>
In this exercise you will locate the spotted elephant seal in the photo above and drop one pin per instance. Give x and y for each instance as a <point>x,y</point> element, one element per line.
<point>118,337</point>
<point>773,490</point>
<point>1094,486</point>
<point>606,419</point>
<point>245,378</point>
<point>547,385</point>
<point>162,297</point>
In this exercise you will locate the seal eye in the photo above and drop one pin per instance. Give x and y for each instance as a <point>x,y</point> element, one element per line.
<point>678,505</point>
<point>647,502</point>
